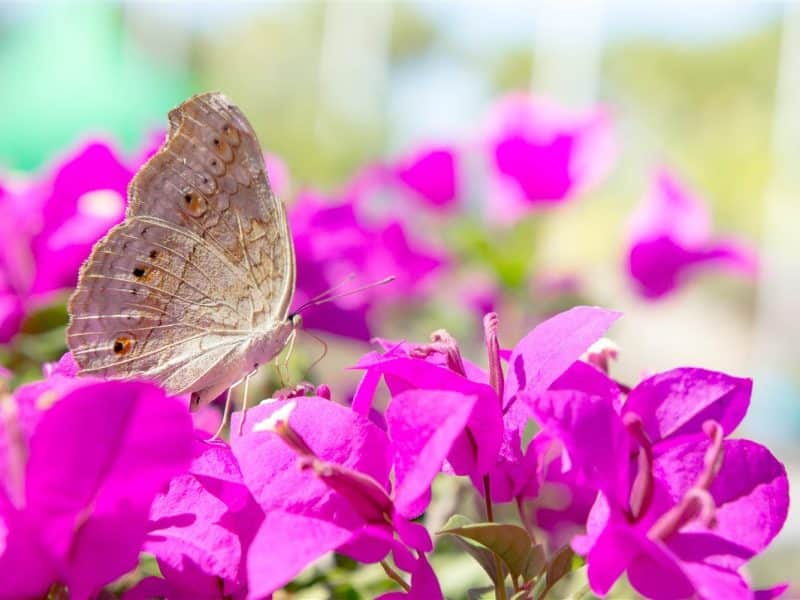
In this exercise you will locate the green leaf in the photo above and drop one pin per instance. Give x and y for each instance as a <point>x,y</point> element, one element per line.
<point>559,565</point>
<point>535,561</point>
<point>476,550</point>
<point>510,542</point>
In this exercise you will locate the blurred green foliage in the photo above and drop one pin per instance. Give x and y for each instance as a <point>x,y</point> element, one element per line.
<point>709,108</point>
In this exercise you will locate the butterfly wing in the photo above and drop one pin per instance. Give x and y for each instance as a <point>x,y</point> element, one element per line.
<point>202,263</point>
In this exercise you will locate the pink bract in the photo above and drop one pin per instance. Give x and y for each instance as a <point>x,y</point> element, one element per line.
<point>670,238</point>
<point>541,154</point>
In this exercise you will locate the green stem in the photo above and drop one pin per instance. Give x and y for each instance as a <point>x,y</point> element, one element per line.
<point>394,575</point>
<point>500,583</point>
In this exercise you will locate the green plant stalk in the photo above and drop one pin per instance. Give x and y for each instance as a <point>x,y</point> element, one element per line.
<point>394,575</point>
<point>500,584</point>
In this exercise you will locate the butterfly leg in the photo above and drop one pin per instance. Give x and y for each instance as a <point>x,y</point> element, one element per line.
<point>225,413</point>
<point>244,400</point>
<point>279,364</point>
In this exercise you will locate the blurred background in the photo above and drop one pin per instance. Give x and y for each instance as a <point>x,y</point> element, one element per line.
<point>708,90</point>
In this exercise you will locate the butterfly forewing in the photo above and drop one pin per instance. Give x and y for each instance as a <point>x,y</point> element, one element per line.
<point>202,263</point>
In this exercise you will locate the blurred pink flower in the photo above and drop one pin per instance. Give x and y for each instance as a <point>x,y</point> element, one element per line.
<point>541,154</point>
<point>429,174</point>
<point>49,224</point>
<point>76,205</point>
<point>333,241</point>
<point>278,174</point>
<point>670,237</point>
<point>476,291</point>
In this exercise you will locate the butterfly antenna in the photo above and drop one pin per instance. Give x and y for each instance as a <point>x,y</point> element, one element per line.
<point>322,295</point>
<point>327,297</point>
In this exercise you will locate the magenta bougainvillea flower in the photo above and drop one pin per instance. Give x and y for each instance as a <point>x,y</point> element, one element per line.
<point>93,473</point>
<point>679,508</point>
<point>492,443</point>
<point>670,237</point>
<point>79,479</point>
<point>341,496</point>
<point>430,174</point>
<point>334,240</point>
<point>541,154</point>
<point>201,528</point>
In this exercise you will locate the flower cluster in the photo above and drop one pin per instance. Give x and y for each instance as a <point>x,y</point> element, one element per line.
<point>643,480</point>
<point>112,487</point>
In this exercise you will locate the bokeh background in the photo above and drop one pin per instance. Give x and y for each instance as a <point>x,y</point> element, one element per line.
<point>709,89</point>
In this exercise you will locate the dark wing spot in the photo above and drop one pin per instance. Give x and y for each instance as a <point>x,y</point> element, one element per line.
<point>138,272</point>
<point>153,254</point>
<point>123,344</point>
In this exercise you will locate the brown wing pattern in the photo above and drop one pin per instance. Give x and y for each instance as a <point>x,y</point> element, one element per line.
<point>202,260</point>
<point>210,178</point>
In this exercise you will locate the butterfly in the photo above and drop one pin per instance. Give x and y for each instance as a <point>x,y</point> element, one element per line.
<point>193,289</point>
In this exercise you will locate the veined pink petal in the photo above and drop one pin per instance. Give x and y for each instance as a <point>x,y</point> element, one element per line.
<point>270,468</point>
<point>422,426</point>
<point>97,459</point>
<point>201,528</point>
<point>195,551</point>
<point>484,426</point>
<point>594,437</point>
<point>679,401</point>
<point>285,544</point>
<point>545,353</point>
<point>751,497</point>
